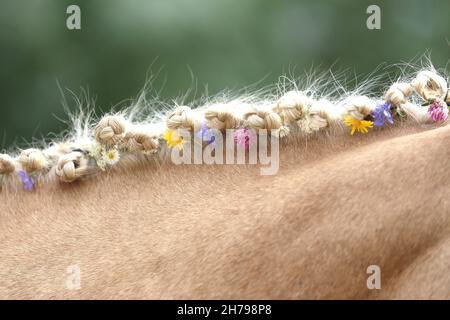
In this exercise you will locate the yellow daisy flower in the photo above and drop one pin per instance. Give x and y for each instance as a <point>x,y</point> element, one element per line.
<point>358,125</point>
<point>173,139</point>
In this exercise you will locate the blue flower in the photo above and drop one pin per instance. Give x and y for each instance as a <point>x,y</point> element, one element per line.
<point>381,114</point>
<point>28,183</point>
<point>206,134</point>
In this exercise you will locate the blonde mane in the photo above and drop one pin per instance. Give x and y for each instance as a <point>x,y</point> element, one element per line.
<point>294,111</point>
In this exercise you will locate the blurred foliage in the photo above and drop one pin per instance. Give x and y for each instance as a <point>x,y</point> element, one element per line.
<point>223,43</point>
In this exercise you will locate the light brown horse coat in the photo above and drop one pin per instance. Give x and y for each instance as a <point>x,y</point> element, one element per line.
<point>337,206</point>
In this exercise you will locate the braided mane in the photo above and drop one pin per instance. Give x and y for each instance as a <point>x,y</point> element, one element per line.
<point>422,97</point>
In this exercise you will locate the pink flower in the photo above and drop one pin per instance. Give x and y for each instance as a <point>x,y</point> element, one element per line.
<point>438,110</point>
<point>244,137</point>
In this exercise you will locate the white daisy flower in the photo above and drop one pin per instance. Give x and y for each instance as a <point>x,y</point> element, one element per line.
<point>111,157</point>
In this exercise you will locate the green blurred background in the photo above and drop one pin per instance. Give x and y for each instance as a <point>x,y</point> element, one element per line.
<point>224,43</point>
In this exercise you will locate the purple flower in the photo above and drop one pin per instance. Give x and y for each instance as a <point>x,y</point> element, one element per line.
<point>381,114</point>
<point>244,137</point>
<point>438,110</point>
<point>28,183</point>
<point>206,134</point>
